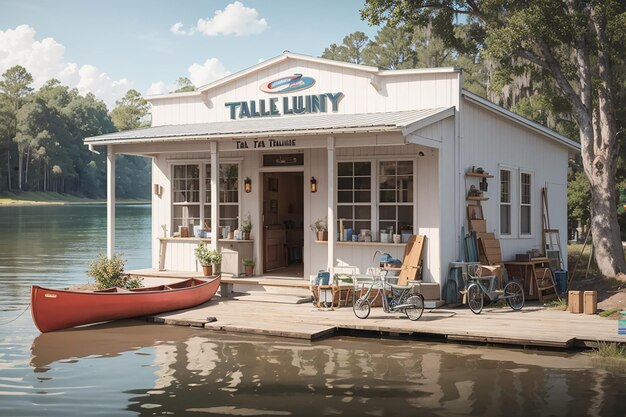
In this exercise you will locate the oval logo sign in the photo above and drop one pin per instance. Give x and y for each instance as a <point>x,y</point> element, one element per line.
<point>288,84</point>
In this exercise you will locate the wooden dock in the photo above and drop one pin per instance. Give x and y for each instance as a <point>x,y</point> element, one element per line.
<point>532,326</point>
<point>265,312</point>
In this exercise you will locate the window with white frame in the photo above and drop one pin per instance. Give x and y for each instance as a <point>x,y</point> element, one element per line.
<point>186,196</point>
<point>191,195</point>
<point>207,197</point>
<point>505,202</point>
<point>376,194</point>
<point>229,195</point>
<point>395,195</point>
<point>354,195</point>
<point>525,203</point>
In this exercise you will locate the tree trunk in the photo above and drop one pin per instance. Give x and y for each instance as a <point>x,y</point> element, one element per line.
<point>9,167</point>
<point>20,159</point>
<point>599,146</point>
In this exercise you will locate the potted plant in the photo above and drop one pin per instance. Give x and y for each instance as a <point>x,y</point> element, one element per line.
<point>246,228</point>
<point>249,266</point>
<point>216,258</point>
<point>320,227</point>
<point>205,258</point>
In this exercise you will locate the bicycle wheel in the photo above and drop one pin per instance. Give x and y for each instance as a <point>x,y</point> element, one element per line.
<point>361,308</point>
<point>514,295</point>
<point>475,298</point>
<point>414,312</point>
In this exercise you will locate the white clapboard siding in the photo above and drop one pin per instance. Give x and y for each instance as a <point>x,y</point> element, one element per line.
<point>419,90</point>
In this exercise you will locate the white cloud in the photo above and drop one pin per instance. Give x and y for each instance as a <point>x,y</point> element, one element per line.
<point>44,60</point>
<point>177,29</point>
<point>211,70</point>
<point>236,19</point>
<point>159,87</point>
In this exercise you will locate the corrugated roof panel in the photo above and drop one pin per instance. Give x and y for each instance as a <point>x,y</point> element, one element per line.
<point>308,123</point>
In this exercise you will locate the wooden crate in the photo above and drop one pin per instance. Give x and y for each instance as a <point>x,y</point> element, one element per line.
<point>575,302</point>
<point>590,299</point>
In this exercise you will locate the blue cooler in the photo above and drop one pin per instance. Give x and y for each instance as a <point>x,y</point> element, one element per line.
<point>560,279</point>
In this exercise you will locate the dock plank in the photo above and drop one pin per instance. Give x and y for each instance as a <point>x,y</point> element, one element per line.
<point>532,326</point>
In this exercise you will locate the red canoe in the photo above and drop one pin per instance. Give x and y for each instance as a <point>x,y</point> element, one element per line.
<point>61,309</point>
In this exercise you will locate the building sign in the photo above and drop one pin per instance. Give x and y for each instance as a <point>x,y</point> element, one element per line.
<point>265,143</point>
<point>289,84</point>
<point>277,106</point>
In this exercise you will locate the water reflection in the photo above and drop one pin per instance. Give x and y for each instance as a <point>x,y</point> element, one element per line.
<point>195,372</point>
<point>133,368</point>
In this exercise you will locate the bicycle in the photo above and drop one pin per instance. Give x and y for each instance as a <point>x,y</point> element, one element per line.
<point>477,291</point>
<point>395,298</point>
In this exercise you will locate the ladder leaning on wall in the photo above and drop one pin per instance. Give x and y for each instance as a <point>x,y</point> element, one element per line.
<point>550,238</point>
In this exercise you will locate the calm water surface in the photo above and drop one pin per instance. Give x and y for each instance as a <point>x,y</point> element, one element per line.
<point>132,368</point>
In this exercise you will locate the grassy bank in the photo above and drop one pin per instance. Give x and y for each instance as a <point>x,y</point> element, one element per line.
<point>43,198</point>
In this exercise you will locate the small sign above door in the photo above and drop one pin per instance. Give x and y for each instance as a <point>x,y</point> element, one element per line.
<point>282,159</point>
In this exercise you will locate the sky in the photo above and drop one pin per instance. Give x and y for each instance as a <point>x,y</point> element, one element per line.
<point>108,47</point>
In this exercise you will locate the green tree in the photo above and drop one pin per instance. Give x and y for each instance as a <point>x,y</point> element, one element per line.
<point>14,88</point>
<point>133,173</point>
<point>577,44</point>
<point>392,48</point>
<point>130,111</point>
<point>351,50</point>
<point>184,85</point>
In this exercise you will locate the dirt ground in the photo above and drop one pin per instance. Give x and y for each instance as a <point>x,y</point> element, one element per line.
<point>611,292</point>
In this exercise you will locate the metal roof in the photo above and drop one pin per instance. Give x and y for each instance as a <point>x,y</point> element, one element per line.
<point>399,121</point>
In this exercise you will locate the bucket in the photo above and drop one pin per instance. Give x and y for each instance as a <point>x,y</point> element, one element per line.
<point>560,279</point>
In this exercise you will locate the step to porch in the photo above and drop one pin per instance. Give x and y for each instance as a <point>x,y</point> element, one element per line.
<point>267,297</point>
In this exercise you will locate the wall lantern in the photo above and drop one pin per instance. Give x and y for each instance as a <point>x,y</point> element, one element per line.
<point>313,185</point>
<point>247,185</point>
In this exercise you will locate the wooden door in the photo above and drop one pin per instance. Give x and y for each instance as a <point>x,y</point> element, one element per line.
<point>275,249</point>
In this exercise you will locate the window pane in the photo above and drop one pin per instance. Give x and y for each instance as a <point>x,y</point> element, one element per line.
<point>345,183</point>
<point>362,196</point>
<point>387,213</point>
<point>362,212</point>
<point>525,188</point>
<point>505,219</point>
<point>405,216</point>
<point>207,216</point>
<point>525,220</point>
<point>345,169</point>
<point>229,211</point>
<point>505,186</point>
<point>229,183</point>
<point>387,183</point>
<point>362,169</point>
<point>344,212</point>
<point>207,183</point>
<point>362,183</point>
<point>405,190</point>
<point>405,168</point>
<point>388,168</point>
<point>345,197</point>
<point>387,196</point>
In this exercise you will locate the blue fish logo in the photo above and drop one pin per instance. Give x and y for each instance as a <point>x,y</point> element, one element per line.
<point>288,84</point>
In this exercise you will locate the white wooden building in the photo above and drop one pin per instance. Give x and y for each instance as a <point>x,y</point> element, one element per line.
<point>386,150</point>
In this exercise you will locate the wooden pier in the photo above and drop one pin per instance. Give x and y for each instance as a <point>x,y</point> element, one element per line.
<point>268,313</point>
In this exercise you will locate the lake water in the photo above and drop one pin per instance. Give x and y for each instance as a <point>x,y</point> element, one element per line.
<point>132,368</point>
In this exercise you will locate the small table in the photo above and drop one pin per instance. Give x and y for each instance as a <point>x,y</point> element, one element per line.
<point>527,272</point>
<point>340,293</point>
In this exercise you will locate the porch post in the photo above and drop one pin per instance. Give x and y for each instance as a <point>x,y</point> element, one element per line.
<point>110,201</point>
<point>215,164</point>
<point>330,186</point>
